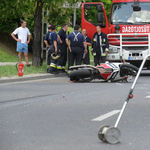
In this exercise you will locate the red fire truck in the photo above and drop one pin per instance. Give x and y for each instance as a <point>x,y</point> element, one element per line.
<point>128,28</point>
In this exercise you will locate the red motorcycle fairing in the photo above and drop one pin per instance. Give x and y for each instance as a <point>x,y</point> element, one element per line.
<point>108,75</point>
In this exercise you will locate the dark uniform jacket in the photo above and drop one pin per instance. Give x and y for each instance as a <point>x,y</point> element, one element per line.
<point>63,37</point>
<point>100,42</point>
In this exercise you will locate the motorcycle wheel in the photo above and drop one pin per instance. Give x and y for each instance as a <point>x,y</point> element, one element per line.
<point>127,69</point>
<point>78,74</point>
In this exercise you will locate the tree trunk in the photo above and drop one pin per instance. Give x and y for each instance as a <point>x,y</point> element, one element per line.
<point>36,47</point>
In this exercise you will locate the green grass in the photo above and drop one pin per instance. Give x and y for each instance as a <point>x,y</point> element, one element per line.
<point>6,57</point>
<point>8,71</point>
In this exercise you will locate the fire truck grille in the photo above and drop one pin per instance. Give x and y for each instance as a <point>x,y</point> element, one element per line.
<point>139,48</point>
<point>134,39</point>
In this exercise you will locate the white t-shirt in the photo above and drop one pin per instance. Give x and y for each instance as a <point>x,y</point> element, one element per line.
<point>22,34</point>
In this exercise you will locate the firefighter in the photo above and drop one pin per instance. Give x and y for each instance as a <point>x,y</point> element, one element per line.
<point>100,46</point>
<point>63,48</point>
<point>53,49</point>
<point>86,59</point>
<point>76,48</point>
<point>47,43</point>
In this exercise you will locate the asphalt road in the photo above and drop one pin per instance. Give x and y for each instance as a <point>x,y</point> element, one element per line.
<point>56,114</point>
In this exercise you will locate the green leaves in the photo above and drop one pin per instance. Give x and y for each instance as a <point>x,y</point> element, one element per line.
<point>12,12</point>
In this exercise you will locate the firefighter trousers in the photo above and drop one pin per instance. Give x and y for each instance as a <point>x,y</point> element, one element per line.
<point>63,57</point>
<point>76,54</point>
<point>98,58</point>
<point>53,62</point>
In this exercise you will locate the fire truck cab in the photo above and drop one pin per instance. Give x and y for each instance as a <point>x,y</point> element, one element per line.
<point>128,28</point>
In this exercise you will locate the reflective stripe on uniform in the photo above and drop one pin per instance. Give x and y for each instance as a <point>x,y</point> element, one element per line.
<point>94,54</point>
<point>53,65</point>
<point>106,49</point>
<point>100,42</point>
<point>103,54</point>
<point>59,67</point>
<point>94,39</point>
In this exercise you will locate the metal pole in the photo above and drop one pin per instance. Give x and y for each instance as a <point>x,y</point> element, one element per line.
<point>74,18</point>
<point>47,23</point>
<point>131,90</point>
<point>42,34</point>
<point>47,31</point>
<point>122,110</point>
<point>121,46</point>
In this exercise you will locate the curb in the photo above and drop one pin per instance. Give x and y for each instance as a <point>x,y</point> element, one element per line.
<point>29,78</point>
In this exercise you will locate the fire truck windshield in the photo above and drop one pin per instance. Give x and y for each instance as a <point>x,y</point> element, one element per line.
<point>122,13</point>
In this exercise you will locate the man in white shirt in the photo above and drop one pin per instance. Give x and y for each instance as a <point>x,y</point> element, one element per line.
<point>23,40</point>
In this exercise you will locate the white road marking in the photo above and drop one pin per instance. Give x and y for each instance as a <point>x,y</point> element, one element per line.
<point>105,116</point>
<point>147,96</point>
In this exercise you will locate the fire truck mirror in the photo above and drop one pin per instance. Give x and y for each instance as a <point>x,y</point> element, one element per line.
<point>100,17</point>
<point>136,7</point>
<point>103,25</point>
<point>99,8</point>
<point>88,7</point>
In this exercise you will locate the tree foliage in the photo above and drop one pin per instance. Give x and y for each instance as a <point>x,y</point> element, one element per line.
<point>12,12</point>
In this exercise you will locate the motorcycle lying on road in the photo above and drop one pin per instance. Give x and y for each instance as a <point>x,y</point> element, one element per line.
<point>106,72</point>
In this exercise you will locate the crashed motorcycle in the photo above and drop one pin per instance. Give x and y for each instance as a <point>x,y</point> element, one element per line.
<point>105,72</point>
